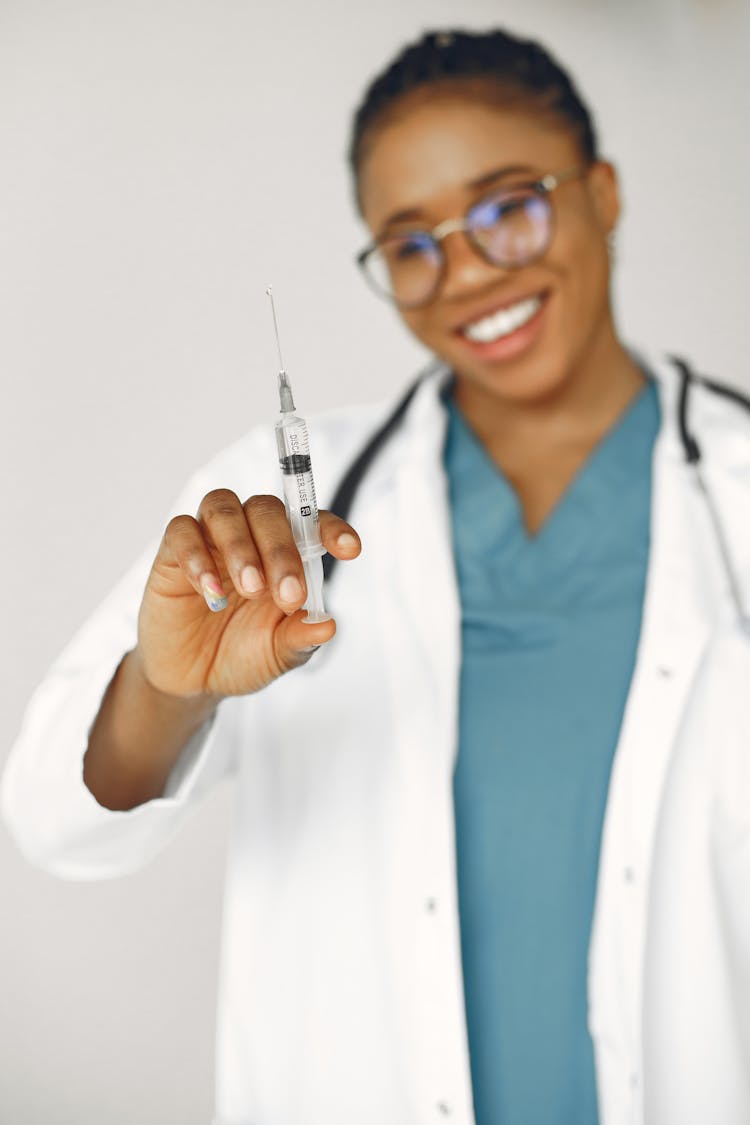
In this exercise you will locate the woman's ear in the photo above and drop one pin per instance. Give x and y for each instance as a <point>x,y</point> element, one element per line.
<point>605,194</point>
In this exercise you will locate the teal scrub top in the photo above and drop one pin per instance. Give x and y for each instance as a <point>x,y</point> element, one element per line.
<point>550,626</point>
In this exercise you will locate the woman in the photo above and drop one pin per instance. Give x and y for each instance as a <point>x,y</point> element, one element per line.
<point>488,860</point>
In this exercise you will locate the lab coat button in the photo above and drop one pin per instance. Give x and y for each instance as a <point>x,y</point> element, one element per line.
<point>633,1081</point>
<point>629,875</point>
<point>444,1108</point>
<point>665,672</point>
<point>430,904</point>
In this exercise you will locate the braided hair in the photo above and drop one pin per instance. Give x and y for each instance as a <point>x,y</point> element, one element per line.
<point>500,65</point>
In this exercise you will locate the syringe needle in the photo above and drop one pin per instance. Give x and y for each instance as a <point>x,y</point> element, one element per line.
<point>286,400</point>
<point>275,327</point>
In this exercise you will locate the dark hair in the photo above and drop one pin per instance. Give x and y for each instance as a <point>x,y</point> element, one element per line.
<point>517,67</point>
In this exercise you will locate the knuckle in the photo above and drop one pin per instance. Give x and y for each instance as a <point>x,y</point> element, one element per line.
<point>178,527</point>
<point>184,542</point>
<point>263,506</point>
<point>219,502</point>
<point>237,548</point>
<point>280,557</point>
<point>332,520</point>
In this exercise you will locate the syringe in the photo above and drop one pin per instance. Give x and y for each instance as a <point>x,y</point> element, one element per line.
<point>299,488</point>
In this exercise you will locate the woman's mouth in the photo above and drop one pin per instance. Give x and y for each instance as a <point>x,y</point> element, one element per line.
<point>507,331</point>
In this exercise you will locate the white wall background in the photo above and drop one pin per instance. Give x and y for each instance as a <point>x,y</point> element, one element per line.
<point>150,152</point>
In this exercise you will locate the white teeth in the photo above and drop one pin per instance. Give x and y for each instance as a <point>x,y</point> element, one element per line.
<point>503,322</point>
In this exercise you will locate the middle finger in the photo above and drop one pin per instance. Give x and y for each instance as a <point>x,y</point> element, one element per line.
<point>225,525</point>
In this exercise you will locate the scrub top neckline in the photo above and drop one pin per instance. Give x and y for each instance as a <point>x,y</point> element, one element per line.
<point>578,486</point>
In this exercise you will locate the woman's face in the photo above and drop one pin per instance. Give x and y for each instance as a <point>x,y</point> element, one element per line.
<point>437,158</point>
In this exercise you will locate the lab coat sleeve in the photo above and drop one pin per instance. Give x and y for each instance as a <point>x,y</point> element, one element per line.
<point>53,817</point>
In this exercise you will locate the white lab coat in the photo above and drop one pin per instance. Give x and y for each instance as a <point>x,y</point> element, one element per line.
<point>341,993</point>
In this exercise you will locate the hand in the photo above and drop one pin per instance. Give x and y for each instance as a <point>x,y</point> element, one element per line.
<point>221,614</point>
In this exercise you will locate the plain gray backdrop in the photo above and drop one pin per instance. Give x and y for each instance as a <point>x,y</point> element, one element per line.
<point>156,157</point>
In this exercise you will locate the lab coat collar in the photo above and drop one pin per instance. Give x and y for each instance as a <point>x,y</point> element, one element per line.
<point>426,571</point>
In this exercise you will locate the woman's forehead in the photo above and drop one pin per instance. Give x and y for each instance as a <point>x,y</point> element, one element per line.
<point>434,152</point>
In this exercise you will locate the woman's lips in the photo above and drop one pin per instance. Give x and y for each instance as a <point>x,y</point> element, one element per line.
<point>514,342</point>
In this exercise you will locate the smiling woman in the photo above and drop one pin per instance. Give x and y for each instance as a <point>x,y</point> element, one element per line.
<point>514,294</point>
<point>503,872</point>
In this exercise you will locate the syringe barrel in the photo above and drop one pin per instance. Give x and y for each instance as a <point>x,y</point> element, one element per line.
<point>299,486</point>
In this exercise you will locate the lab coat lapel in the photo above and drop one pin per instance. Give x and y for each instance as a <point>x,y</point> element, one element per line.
<point>426,574</point>
<point>674,631</point>
<point>420,619</point>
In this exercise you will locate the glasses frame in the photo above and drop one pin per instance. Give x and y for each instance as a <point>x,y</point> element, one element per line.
<point>543,188</point>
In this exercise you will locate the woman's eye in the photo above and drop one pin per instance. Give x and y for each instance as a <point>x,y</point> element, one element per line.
<point>512,206</point>
<point>402,249</point>
<point>494,211</point>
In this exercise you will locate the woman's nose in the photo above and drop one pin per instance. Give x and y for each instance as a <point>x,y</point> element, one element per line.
<point>465,268</point>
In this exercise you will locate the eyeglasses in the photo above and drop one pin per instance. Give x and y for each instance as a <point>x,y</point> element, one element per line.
<point>510,227</point>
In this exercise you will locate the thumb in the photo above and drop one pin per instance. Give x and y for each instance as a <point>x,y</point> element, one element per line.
<point>296,641</point>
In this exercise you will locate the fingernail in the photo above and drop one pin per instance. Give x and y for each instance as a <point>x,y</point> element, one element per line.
<point>309,651</point>
<point>251,580</point>
<point>347,542</point>
<point>290,589</point>
<point>216,599</point>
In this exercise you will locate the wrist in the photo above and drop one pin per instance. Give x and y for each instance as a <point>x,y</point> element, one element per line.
<point>201,705</point>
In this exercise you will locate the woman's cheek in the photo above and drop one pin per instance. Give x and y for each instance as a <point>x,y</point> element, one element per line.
<point>424,328</point>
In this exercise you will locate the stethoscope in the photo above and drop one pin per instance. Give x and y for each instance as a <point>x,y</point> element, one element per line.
<point>694,459</point>
<point>343,498</point>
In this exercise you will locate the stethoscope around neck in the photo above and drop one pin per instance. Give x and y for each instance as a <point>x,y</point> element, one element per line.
<point>694,459</point>
<point>343,498</point>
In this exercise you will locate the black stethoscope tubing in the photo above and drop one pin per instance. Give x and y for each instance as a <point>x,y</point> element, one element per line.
<point>343,498</point>
<point>694,458</point>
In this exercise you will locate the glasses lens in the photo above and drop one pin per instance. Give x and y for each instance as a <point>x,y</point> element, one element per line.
<point>512,227</point>
<point>405,268</point>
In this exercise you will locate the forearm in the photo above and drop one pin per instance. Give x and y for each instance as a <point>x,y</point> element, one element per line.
<point>137,737</point>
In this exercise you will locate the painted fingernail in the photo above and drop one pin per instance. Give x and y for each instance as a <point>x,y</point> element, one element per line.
<point>216,599</point>
<point>251,580</point>
<point>290,589</point>
<point>347,542</point>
